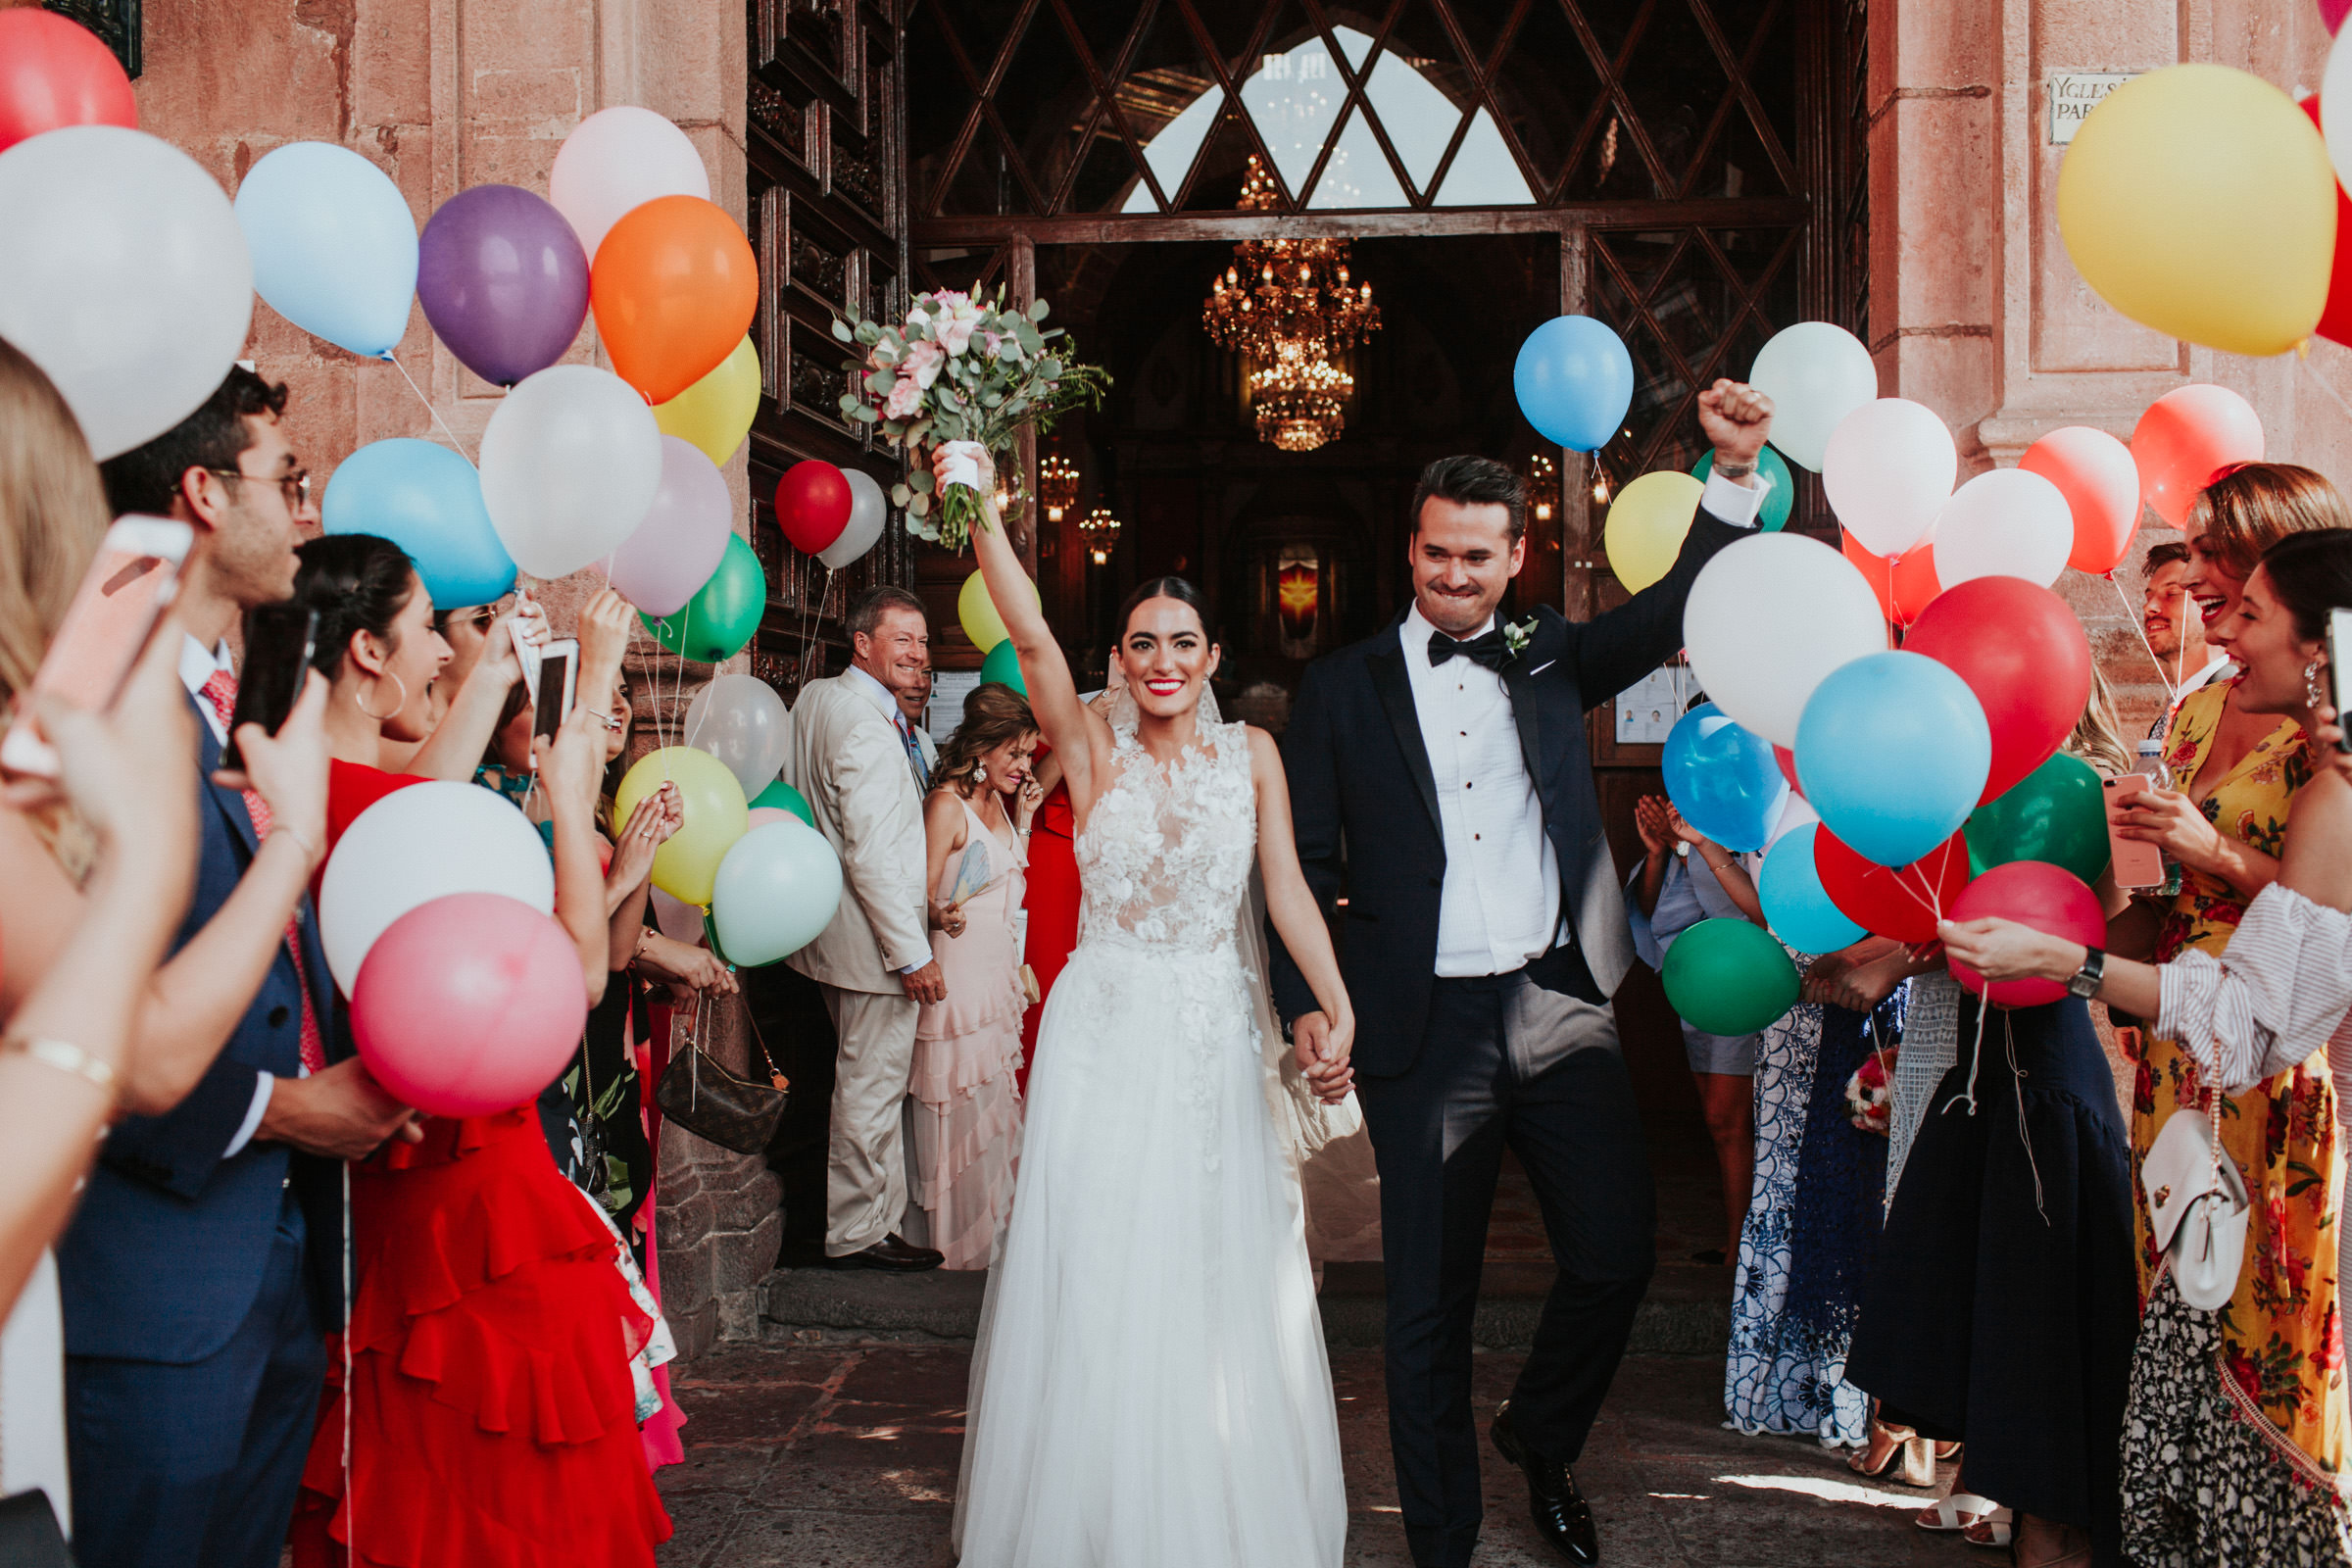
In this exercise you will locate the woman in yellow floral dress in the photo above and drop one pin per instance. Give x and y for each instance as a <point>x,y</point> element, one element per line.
<point>2235,1436</point>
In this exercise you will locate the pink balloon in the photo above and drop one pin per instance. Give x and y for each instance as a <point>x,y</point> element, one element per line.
<point>2095,473</point>
<point>2051,900</point>
<point>468,1005</point>
<point>684,534</point>
<point>2184,439</point>
<point>764,814</point>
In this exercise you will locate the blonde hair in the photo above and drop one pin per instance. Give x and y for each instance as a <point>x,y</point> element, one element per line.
<point>2255,504</point>
<point>2098,737</point>
<point>53,512</point>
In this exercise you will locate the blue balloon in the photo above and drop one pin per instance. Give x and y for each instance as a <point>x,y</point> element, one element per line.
<point>1801,911</point>
<point>1893,750</point>
<point>1779,487</point>
<point>1723,779</point>
<point>1575,381</point>
<point>428,501</point>
<point>334,247</point>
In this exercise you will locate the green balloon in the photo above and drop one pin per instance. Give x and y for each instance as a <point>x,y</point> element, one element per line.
<point>1729,977</point>
<point>1779,487</point>
<point>723,613</point>
<point>785,798</point>
<point>2053,814</point>
<point>1004,666</point>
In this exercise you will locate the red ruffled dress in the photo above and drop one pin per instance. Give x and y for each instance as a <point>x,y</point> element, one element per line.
<point>492,1423</point>
<point>1052,905</point>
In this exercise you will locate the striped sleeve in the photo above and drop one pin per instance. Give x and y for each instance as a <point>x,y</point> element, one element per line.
<point>2275,997</point>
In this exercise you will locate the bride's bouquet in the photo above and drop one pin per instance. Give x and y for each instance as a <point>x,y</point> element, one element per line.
<point>961,368</point>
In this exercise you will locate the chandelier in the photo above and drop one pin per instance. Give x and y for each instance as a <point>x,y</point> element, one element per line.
<point>1543,484</point>
<point>1056,484</point>
<point>1101,530</point>
<point>1286,291</point>
<point>1298,399</point>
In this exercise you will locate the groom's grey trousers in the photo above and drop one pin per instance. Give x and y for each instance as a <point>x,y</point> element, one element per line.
<point>1505,1063</point>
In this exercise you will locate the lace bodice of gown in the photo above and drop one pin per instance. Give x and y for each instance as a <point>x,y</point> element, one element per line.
<point>1165,854</point>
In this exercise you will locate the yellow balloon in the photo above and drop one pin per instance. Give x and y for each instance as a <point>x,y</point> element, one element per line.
<point>1646,524</point>
<point>978,612</point>
<point>716,817</point>
<point>2198,200</point>
<point>715,412</point>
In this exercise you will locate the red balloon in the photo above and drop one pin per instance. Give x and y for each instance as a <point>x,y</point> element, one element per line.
<point>2049,898</point>
<point>1904,587</point>
<point>468,1005</point>
<point>2095,473</point>
<point>2332,11</point>
<point>2023,652</point>
<point>2335,320</point>
<point>55,72</point>
<point>813,505</point>
<point>2187,437</point>
<point>1788,761</point>
<point>1902,901</point>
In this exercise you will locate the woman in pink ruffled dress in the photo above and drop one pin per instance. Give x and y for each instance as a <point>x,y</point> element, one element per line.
<point>968,1049</point>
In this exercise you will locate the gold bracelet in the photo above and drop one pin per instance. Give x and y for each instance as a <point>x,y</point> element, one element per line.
<point>64,1056</point>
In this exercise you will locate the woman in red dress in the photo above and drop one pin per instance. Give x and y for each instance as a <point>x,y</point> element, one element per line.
<point>492,1420</point>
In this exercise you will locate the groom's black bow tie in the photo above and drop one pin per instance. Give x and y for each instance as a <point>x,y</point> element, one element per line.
<point>1489,650</point>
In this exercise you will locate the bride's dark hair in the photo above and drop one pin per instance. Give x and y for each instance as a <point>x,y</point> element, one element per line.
<point>1165,588</point>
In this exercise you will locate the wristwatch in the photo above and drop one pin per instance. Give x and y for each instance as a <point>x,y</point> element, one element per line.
<point>2085,983</point>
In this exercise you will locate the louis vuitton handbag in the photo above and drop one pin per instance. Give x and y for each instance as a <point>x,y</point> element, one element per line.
<point>707,1100</point>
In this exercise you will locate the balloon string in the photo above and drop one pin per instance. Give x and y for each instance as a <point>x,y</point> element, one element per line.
<point>2172,686</point>
<point>429,405</point>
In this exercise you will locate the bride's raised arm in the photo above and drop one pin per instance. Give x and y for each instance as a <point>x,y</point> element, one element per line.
<point>1079,738</point>
<point>1326,1036</point>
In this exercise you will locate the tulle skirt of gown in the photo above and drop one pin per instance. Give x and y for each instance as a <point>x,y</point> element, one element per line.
<point>1149,1388</point>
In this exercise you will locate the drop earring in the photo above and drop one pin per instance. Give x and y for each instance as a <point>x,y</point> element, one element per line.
<point>2312,689</point>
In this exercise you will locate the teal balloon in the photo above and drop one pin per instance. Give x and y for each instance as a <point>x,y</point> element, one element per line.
<point>334,244</point>
<point>775,891</point>
<point>1004,666</point>
<point>1799,909</point>
<point>1729,977</point>
<point>723,613</point>
<point>784,798</point>
<point>428,500</point>
<point>2054,813</point>
<point>1780,488</point>
<point>1893,750</point>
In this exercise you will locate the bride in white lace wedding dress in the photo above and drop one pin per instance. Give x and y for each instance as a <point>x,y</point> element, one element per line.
<point>1149,1386</point>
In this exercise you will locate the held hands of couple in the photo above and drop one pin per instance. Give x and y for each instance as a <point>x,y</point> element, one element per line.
<point>1323,1048</point>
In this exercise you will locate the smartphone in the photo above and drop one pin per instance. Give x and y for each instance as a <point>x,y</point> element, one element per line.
<point>122,597</point>
<point>558,683</point>
<point>2137,863</point>
<point>2339,643</point>
<point>278,643</point>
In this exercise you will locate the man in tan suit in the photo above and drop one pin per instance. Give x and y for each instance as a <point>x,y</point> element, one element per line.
<point>861,768</point>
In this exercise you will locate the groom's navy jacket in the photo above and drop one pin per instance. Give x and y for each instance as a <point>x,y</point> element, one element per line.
<point>1366,798</point>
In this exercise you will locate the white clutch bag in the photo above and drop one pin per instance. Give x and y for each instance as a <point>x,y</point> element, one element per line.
<point>2198,1209</point>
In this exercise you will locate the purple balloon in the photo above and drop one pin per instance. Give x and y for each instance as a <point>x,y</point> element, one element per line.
<point>684,534</point>
<point>502,279</point>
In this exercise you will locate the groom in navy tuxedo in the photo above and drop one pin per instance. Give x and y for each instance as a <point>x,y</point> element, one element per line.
<point>1439,778</point>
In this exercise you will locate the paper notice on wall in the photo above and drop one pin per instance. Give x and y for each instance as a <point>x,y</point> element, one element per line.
<point>2074,94</point>
<point>948,688</point>
<point>1647,708</point>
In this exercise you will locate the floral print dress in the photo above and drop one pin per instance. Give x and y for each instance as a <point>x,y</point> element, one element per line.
<point>2234,1437</point>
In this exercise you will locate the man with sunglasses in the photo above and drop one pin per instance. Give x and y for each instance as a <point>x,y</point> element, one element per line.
<point>204,1268</point>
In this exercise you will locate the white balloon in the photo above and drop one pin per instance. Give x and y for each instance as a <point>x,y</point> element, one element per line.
<point>420,844</point>
<point>1768,619</point>
<point>679,921</point>
<point>1887,472</point>
<point>570,462</point>
<point>2004,523</point>
<point>868,512</point>
<point>742,722</point>
<point>123,276</point>
<point>1816,375</point>
<point>618,159</point>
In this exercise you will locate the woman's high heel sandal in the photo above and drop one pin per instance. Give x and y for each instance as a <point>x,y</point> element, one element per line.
<point>1892,1447</point>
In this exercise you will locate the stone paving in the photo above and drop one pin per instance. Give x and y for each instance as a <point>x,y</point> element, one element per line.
<point>837,1457</point>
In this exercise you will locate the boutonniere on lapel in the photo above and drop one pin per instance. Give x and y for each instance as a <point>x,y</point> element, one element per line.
<point>1516,635</point>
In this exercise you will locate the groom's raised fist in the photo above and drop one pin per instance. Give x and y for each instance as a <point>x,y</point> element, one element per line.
<point>1736,420</point>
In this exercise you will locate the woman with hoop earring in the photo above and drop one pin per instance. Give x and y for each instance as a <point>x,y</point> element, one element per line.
<point>490,1398</point>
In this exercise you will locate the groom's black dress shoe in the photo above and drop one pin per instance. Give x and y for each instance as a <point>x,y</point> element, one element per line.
<point>892,1252</point>
<point>1560,1510</point>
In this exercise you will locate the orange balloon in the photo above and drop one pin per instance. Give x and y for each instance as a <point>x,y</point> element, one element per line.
<point>2186,439</point>
<point>674,287</point>
<point>2095,473</point>
<point>1905,588</point>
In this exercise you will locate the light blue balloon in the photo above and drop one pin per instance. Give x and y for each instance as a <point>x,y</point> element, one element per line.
<point>1893,750</point>
<point>1723,779</point>
<point>334,247</point>
<point>428,501</point>
<point>1794,903</point>
<point>1575,381</point>
<point>775,892</point>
